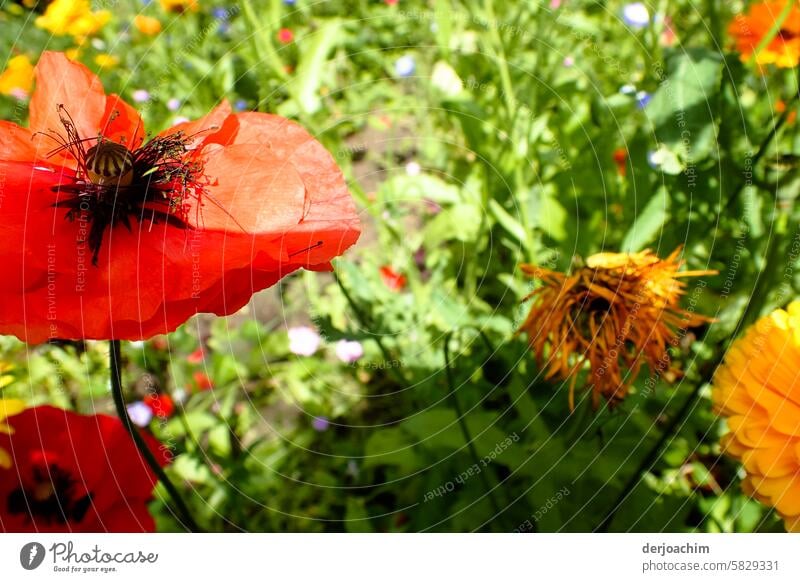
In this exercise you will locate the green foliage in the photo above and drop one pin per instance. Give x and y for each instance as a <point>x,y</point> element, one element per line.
<point>514,147</point>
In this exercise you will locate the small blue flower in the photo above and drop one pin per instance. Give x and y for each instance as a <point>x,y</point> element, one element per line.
<point>642,99</point>
<point>141,95</point>
<point>290,2</point>
<point>405,66</point>
<point>174,104</point>
<point>220,13</point>
<point>636,15</point>
<point>240,105</point>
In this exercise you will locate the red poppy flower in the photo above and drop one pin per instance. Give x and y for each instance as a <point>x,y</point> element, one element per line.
<point>202,381</point>
<point>285,36</point>
<point>621,161</point>
<point>161,404</point>
<point>74,473</point>
<point>106,235</point>
<point>196,357</point>
<point>392,279</point>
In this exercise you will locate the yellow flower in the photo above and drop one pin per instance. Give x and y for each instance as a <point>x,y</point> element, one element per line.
<point>17,79</point>
<point>106,61</point>
<point>8,408</point>
<point>617,312</point>
<point>178,5</point>
<point>73,17</point>
<point>147,24</point>
<point>757,389</point>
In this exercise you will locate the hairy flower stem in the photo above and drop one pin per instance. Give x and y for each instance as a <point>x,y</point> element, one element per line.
<point>115,359</point>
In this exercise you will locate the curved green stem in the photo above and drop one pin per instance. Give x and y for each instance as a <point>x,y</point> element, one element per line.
<point>115,359</point>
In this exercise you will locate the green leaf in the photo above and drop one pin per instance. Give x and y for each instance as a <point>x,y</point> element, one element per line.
<point>649,223</point>
<point>548,213</point>
<point>422,186</point>
<point>305,85</point>
<point>389,446</point>
<point>683,109</point>
<point>461,222</point>
<point>508,222</point>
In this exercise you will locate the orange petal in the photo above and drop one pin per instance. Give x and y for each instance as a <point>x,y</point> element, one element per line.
<point>200,130</point>
<point>121,123</point>
<point>16,143</point>
<point>251,189</point>
<point>60,81</point>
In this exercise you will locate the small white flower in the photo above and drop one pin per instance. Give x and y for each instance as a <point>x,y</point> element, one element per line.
<point>140,413</point>
<point>405,66</point>
<point>413,169</point>
<point>303,340</point>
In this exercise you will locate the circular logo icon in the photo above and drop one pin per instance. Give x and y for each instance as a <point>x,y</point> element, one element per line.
<point>31,555</point>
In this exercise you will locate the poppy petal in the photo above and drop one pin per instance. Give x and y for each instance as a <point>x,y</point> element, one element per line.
<point>60,81</point>
<point>121,123</point>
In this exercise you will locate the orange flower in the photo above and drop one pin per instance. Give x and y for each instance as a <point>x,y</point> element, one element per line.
<point>620,156</point>
<point>179,6</point>
<point>104,235</point>
<point>749,30</point>
<point>618,311</point>
<point>780,107</point>
<point>147,24</point>
<point>758,390</point>
<point>17,79</point>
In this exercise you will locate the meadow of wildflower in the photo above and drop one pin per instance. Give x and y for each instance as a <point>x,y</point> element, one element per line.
<point>399,266</point>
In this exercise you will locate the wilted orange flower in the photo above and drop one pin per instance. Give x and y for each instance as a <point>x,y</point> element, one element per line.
<point>758,389</point>
<point>750,29</point>
<point>619,310</point>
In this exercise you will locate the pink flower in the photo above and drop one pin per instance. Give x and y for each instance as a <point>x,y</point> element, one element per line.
<point>303,340</point>
<point>349,351</point>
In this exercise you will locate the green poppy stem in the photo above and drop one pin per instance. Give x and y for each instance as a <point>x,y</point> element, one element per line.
<point>183,514</point>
